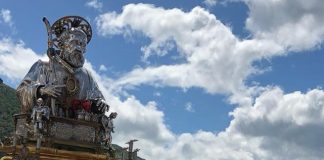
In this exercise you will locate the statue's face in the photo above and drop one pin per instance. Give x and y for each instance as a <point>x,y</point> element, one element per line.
<point>74,47</point>
<point>39,102</point>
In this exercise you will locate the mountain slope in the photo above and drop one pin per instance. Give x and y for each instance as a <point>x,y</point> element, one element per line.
<point>9,105</point>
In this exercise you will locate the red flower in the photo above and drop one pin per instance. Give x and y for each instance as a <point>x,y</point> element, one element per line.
<point>75,104</point>
<point>86,104</point>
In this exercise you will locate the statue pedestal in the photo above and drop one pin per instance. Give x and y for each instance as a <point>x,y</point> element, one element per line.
<point>50,154</point>
<point>61,133</point>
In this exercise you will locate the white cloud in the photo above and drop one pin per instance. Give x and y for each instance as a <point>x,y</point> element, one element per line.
<point>135,120</point>
<point>276,126</point>
<point>146,123</point>
<point>102,68</point>
<point>216,60</point>
<point>6,16</point>
<point>289,126</point>
<point>189,107</point>
<point>15,59</point>
<point>96,4</point>
<point>210,3</point>
<point>296,24</point>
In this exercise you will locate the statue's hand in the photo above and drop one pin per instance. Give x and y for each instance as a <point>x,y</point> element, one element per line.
<point>102,106</point>
<point>50,52</point>
<point>51,90</point>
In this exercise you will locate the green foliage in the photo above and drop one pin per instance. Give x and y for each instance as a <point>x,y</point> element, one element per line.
<point>9,105</point>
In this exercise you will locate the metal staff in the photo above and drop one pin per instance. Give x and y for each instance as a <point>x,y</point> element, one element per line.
<point>50,51</point>
<point>49,32</point>
<point>52,54</point>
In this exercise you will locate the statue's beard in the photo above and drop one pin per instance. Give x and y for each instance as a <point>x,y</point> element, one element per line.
<point>75,58</point>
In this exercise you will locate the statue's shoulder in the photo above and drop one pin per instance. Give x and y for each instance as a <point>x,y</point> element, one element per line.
<point>86,72</point>
<point>39,65</point>
<point>42,63</point>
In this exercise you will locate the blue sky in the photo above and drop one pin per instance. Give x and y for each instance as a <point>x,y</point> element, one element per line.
<point>120,55</point>
<point>260,58</point>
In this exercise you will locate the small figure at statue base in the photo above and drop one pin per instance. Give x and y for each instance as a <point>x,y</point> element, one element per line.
<point>108,128</point>
<point>39,116</point>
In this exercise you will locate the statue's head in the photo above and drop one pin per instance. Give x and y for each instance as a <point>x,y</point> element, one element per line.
<point>72,35</point>
<point>39,101</point>
<point>73,46</point>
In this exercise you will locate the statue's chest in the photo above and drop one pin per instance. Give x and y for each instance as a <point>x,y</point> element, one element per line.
<point>77,86</point>
<point>72,84</point>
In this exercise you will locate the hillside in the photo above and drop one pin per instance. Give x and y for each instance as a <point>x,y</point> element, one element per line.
<point>9,105</point>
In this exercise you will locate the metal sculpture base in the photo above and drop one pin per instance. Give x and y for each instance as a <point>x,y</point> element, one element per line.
<point>61,133</point>
<point>46,153</point>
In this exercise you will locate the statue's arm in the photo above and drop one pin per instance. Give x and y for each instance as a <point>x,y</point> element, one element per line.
<point>96,95</point>
<point>94,92</point>
<point>27,91</point>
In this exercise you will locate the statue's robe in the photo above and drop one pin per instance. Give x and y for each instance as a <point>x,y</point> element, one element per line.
<point>42,74</point>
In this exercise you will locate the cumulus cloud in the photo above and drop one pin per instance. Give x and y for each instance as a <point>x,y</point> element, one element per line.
<point>15,58</point>
<point>296,24</point>
<point>216,60</point>
<point>135,120</point>
<point>288,125</point>
<point>273,126</point>
<point>96,4</point>
<point>146,123</point>
<point>277,126</point>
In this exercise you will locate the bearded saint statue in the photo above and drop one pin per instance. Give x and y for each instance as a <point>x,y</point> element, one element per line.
<point>63,82</point>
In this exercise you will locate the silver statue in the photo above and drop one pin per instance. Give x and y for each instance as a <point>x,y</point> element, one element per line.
<point>66,87</point>
<point>63,79</point>
<point>108,126</point>
<point>39,114</point>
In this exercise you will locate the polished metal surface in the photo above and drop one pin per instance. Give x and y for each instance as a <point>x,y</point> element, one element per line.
<point>39,76</point>
<point>61,98</point>
<point>63,79</point>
